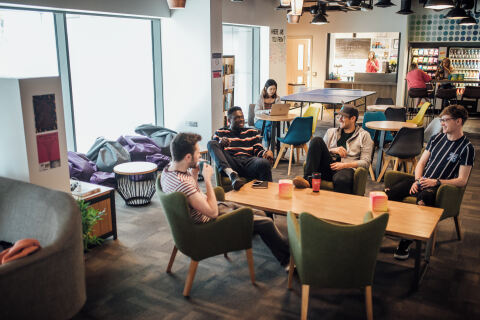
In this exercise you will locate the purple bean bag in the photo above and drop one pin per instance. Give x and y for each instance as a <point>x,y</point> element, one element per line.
<point>80,167</point>
<point>159,159</point>
<point>106,179</point>
<point>139,147</point>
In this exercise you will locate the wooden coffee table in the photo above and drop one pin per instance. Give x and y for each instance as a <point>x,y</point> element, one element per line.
<point>136,182</point>
<point>406,220</point>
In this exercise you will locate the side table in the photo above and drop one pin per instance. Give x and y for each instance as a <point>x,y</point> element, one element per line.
<point>102,200</point>
<point>136,182</point>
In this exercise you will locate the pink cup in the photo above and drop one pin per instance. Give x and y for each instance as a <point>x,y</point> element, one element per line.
<point>285,188</point>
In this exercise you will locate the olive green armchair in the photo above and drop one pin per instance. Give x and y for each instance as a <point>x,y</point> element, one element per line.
<point>449,198</point>
<point>330,255</point>
<point>223,181</point>
<point>359,182</point>
<point>229,232</point>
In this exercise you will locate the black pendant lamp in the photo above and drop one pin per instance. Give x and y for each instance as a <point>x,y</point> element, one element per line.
<point>470,21</point>
<point>439,4</point>
<point>384,4</point>
<point>456,13</point>
<point>405,9</point>
<point>354,3</point>
<point>320,14</point>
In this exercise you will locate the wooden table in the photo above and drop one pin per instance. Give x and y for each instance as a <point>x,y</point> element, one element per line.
<point>276,120</point>
<point>104,199</point>
<point>136,182</point>
<point>406,220</point>
<point>382,107</point>
<point>384,126</point>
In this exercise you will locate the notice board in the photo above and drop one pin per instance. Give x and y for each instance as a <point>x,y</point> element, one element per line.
<point>354,48</point>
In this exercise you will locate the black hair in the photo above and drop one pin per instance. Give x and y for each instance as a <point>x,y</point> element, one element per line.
<point>232,110</point>
<point>183,144</point>
<point>270,82</point>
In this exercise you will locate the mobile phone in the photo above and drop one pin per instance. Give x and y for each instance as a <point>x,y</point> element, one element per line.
<point>258,184</point>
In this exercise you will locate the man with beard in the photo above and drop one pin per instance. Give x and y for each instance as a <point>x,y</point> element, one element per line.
<point>238,151</point>
<point>181,175</point>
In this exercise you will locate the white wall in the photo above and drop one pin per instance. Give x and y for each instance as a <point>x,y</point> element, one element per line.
<point>261,13</point>
<point>148,8</point>
<point>13,162</point>
<point>189,92</point>
<point>377,20</point>
<point>56,178</point>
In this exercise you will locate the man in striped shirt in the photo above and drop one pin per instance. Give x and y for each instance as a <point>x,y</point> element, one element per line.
<point>238,151</point>
<point>181,175</point>
<point>447,159</point>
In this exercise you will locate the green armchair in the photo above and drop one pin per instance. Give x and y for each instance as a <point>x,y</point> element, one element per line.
<point>359,182</point>
<point>449,197</point>
<point>334,256</point>
<point>223,181</point>
<point>229,232</point>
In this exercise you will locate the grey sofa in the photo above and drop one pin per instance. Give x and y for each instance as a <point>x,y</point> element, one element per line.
<point>49,284</point>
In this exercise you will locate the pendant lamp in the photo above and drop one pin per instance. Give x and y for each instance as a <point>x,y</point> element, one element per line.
<point>297,6</point>
<point>406,7</point>
<point>456,13</point>
<point>439,4</point>
<point>176,4</point>
<point>384,4</point>
<point>470,21</point>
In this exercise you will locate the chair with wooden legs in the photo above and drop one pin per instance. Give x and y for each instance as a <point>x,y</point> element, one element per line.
<point>330,255</point>
<point>404,149</point>
<point>229,232</point>
<point>298,135</point>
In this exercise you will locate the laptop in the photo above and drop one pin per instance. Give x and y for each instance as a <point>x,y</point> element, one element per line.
<point>280,109</point>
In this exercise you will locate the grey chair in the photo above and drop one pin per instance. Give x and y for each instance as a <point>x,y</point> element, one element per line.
<point>433,128</point>
<point>396,114</point>
<point>50,283</point>
<point>251,115</point>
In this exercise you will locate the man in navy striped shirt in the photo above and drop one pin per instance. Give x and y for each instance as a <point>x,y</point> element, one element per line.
<point>447,159</point>
<point>238,151</point>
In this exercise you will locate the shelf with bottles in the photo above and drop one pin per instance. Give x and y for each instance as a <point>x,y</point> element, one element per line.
<point>466,64</point>
<point>464,53</point>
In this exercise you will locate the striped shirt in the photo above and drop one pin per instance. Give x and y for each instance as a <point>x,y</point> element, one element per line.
<point>177,181</point>
<point>447,156</point>
<point>246,142</point>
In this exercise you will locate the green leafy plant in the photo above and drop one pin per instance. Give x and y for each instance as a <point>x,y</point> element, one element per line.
<point>90,217</point>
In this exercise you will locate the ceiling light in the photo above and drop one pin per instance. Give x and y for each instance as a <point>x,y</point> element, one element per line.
<point>176,4</point>
<point>354,3</point>
<point>405,9</point>
<point>366,7</point>
<point>439,4</point>
<point>297,7</point>
<point>470,21</point>
<point>293,18</point>
<point>284,4</point>
<point>319,19</point>
<point>456,13</point>
<point>384,4</point>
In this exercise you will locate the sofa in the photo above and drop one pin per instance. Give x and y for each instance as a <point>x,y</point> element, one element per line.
<point>50,283</point>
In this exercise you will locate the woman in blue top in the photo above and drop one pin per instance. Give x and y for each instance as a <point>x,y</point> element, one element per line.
<point>268,96</point>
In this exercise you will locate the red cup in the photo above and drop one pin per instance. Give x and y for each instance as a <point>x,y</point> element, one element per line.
<point>316,181</point>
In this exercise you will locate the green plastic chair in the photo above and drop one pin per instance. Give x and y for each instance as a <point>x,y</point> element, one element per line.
<point>448,197</point>
<point>229,232</point>
<point>330,255</point>
<point>418,119</point>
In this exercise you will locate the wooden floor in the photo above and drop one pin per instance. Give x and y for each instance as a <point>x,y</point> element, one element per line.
<point>126,278</point>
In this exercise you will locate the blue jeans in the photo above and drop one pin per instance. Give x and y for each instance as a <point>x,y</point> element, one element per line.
<point>268,129</point>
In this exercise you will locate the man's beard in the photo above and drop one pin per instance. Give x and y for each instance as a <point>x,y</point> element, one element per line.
<point>192,165</point>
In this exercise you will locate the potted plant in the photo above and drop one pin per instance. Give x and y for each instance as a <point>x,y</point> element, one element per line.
<point>90,217</point>
<point>176,4</point>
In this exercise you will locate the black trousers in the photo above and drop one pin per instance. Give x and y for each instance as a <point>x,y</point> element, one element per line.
<point>247,167</point>
<point>401,190</point>
<point>266,229</point>
<point>319,160</point>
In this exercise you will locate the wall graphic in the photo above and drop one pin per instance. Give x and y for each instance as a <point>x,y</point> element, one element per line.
<point>436,28</point>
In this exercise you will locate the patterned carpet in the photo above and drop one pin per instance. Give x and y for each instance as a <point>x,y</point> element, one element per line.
<point>126,278</point>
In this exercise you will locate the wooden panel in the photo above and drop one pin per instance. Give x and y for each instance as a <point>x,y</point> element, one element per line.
<point>406,220</point>
<point>104,226</point>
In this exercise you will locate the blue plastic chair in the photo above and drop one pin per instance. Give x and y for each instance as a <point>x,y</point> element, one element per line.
<point>298,135</point>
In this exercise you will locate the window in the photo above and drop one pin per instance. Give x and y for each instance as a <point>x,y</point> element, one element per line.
<point>112,76</point>
<point>27,44</point>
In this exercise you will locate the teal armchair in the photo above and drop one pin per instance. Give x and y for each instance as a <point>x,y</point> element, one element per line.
<point>229,232</point>
<point>330,255</point>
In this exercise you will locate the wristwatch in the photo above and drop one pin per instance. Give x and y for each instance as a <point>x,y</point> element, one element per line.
<point>438,182</point>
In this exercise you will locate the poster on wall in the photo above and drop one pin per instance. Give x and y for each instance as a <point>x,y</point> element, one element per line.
<point>277,46</point>
<point>216,65</point>
<point>45,113</point>
<point>48,148</point>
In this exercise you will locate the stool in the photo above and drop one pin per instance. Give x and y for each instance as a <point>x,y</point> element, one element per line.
<point>471,93</point>
<point>447,95</point>
<point>413,93</point>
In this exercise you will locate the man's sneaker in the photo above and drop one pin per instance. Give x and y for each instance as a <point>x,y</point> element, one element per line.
<point>403,250</point>
<point>300,183</point>
<point>237,182</point>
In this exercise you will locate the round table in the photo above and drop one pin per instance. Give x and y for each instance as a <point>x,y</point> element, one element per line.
<point>382,107</point>
<point>136,182</point>
<point>383,126</point>
<point>275,127</point>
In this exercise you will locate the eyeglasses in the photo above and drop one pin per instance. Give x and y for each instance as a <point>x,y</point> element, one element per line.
<point>443,120</point>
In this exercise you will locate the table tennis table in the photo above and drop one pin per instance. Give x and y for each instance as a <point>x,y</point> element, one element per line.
<point>332,96</point>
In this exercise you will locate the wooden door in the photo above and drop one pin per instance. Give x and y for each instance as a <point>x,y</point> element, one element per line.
<point>298,62</point>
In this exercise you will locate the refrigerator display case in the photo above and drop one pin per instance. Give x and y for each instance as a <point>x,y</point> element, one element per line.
<point>465,61</point>
<point>426,59</point>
